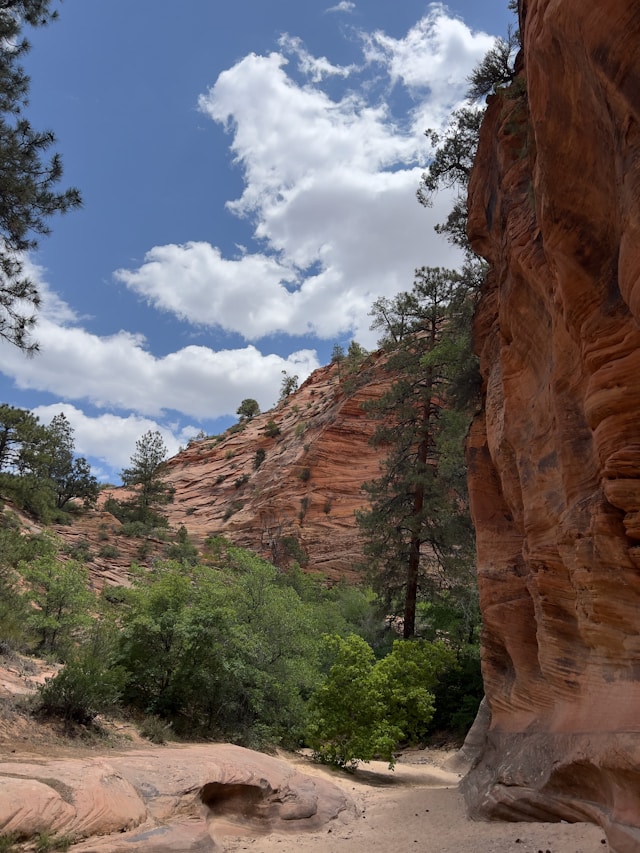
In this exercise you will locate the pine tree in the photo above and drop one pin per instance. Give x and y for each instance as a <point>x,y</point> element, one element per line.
<point>146,476</point>
<point>54,459</point>
<point>19,429</point>
<point>418,524</point>
<point>27,177</point>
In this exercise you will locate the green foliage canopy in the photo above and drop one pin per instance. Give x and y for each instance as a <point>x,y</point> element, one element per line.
<point>366,708</point>
<point>248,409</point>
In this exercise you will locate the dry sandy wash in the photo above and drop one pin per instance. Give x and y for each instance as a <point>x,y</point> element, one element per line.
<point>416,807</point>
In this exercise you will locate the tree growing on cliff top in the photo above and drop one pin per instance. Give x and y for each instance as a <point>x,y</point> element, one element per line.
<point>28,176</point>
<point>248,409</point>
<point>450,168</point>
<point>496,68</point>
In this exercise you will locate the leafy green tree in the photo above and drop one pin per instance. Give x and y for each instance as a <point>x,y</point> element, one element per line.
<point>15,547</point>
<point>347,717</point>
<point>28,178</point>
<point>366,708</point>
<point>19,430</point>
<point>407,679</point>
<point>37,463</point>
<point>248,409</point>
<point>226,651</point>
<point>147,477</point>
<point>60,601</point>
<point>418,523</point>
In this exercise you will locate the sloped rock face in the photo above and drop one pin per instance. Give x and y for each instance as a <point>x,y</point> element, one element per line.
<point>299,502</point>
<point>555,457</point>
<point>174,799</point>
<point>285,484</point>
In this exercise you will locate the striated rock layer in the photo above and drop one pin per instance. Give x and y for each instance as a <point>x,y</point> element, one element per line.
<point>555,456</point>
<point>156,801</point>
<point>299,502</point>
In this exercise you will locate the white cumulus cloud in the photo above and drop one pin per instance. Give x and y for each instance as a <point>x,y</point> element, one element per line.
<point>119,372</point>
<point>329,185</point>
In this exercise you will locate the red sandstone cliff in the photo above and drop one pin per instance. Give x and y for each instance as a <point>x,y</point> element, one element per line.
<point>555,457</point>
<point>309,484</point>
<point>299,503</point>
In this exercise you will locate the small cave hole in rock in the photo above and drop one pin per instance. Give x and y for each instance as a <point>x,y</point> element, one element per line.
<point>236,800</point>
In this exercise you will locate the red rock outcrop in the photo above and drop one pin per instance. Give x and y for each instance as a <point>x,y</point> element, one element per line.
<point>555,457</point>
<point>285,484</point>
<point>177,798</point>
<point>308,486</point>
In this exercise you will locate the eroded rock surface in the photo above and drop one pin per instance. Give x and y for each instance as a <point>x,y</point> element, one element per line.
<point>170,799</point>
<point>309,484</point>
<point>555,457</point>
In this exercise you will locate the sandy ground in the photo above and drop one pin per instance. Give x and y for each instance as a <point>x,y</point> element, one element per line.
<point>417,807</point>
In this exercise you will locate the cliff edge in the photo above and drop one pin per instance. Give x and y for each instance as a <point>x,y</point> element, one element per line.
<point>555,455</point>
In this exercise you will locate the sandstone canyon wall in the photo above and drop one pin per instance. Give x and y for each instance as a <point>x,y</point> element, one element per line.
<point>309,484</point>
<point>555,456</point>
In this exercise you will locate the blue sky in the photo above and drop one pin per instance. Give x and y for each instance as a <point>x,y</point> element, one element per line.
<point>248,172</point>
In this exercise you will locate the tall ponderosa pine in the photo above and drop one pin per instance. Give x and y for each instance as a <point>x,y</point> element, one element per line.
<point>418,524</point>
<point>28,175</point>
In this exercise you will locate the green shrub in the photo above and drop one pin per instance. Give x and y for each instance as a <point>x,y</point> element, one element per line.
<point>80,550</point>
<point>366,708</point>
<point>134,529</point>
<point>240,481</point>
<point>182,549</point>
<point>109,552</point>
<point>84,688</point>
<point>292,548</point>
<point>154,729</point>
<point>271,429</point>
<point>8,841</point>
<point>259,457</point>
<point>46,842</point>
<point>305,474</point>
<point>239,427</point>
<point>232,509</point>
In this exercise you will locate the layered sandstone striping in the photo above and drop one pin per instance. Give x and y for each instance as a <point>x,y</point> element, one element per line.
<point>309,484</point>
<point>285,484</point>
<point>555,457</point>
<point>177,798</point>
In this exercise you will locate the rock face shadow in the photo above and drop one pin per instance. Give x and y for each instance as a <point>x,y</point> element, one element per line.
<point>240,803</point>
